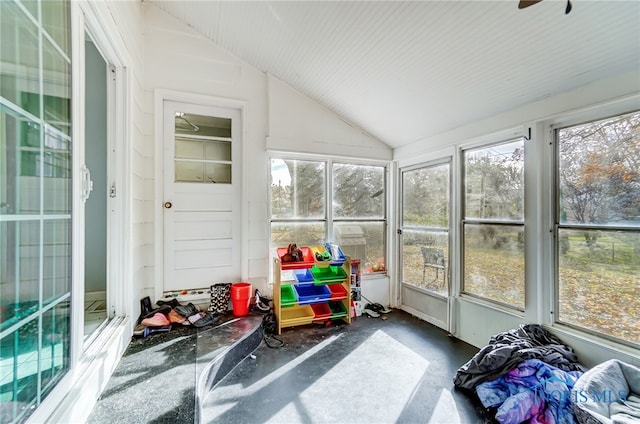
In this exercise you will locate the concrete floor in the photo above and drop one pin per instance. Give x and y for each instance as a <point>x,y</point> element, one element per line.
<point>397,370</point>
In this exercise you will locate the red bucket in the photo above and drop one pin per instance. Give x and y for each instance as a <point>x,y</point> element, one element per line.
<point>240,298</point>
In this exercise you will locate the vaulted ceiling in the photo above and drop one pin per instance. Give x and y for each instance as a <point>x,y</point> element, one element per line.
<point>404,71</point>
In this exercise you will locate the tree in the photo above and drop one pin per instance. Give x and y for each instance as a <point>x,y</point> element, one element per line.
<point>600,172</point>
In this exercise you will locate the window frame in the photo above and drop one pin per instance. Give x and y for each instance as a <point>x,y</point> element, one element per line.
<point>464,222</point>
<point>329,219</point>
<point>555,126</point>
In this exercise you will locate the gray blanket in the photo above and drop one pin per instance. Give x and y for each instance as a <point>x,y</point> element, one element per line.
<point>609,393</point>
<point>508,349</point>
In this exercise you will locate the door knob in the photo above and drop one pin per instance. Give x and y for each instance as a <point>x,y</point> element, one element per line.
<point>168,205</point>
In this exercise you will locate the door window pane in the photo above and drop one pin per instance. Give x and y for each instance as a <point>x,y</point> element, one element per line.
<point>19,59</point>
<point>425,197</point>
<point>199,158</point>
<point>57,95</point>
<point>425,228</point>
<point>55,20</point>
<point>425,261</point>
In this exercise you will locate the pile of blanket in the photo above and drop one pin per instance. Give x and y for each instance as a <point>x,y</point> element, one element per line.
<point>527,374</point>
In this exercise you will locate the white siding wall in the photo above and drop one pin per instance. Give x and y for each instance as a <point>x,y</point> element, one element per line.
<point>178,59</point>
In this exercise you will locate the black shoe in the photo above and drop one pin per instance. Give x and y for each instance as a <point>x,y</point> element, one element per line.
<point>187,311</point>
<point>173,302</point>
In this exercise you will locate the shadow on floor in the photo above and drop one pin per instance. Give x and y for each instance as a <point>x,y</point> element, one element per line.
<point>397,370</point>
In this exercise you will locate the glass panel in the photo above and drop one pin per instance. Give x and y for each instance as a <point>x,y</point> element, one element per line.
<point>57,95</point>
<point>19,159</point>
<point>56,21</point>
<point>19,371</point>
<point>494,263</point>
<point>217,150</point>
<point>54,357</point>
<point>598,172</point>
<point>189,171</point>
<point>57,173</point>
<point>494,182</point>
<point>19,63</point>
<point>304,234</point>
<point>599,281</point>
<point>217,173</point>
<point>210,126</point>
<point>358,191</point>
<point>20,270</point>
<point>57,260</point>
<point>425,260</point>
<point>364,241</point>
<point>297,189</point>
<point>425,197</point>
<point>32,7</point>
<point>189,149</point>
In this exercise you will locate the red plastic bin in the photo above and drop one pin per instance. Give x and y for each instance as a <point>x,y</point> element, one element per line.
<point>337,291</point>
<point>307,258</point>
<point>321,312</point>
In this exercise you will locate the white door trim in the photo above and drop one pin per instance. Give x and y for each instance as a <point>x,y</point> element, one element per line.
<point>160,96</point>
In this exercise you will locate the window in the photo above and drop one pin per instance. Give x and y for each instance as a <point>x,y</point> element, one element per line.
<point>352,212</point>
<point>598,226</point>
<point>493,223</point>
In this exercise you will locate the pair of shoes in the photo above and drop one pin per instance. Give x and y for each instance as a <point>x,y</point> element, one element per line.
<point>205,319</point>
<point>187,311</point>
<point>157,320</point>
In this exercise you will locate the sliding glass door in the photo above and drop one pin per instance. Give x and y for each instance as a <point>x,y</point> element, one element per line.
<point>35,203</point>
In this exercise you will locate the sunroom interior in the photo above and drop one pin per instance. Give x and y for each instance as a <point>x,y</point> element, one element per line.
<point>479,159</point>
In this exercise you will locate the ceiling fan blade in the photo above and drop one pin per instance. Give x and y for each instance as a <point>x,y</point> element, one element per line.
<point>526,3</point>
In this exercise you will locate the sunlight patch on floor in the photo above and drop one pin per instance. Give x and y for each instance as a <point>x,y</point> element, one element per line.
<point>445,410</point>
<point>380,368</point>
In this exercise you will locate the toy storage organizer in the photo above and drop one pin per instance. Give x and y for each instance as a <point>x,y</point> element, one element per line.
<point>311,291</point>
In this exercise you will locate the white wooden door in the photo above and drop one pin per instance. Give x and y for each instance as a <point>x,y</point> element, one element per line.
<point>202,150</point>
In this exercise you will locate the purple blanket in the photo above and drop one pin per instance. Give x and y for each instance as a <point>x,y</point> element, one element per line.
<point>533,392</point>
